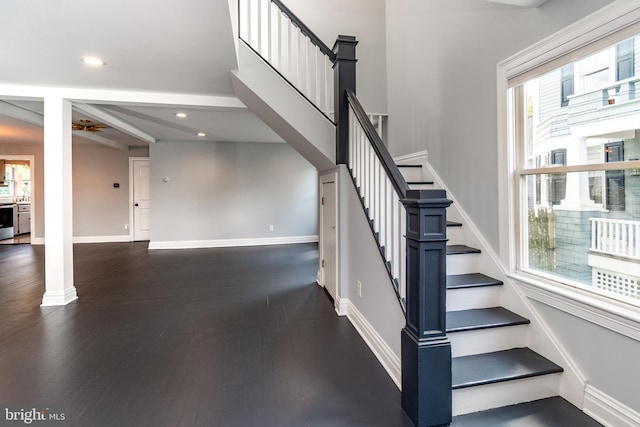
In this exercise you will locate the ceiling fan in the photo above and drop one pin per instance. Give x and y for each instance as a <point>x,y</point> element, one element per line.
<point>88,126</point>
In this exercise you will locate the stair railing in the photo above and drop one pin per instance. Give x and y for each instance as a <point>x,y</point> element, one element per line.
<point>277,35</point>
<point>409,225</point>
<point>382,188</point>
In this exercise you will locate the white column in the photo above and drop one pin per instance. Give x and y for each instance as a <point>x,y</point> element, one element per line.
<point>577,194</point>
<point>58,203</point>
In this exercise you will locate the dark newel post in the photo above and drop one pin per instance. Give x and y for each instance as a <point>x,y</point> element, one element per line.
<point>426,350</point>
<point>344,80</point>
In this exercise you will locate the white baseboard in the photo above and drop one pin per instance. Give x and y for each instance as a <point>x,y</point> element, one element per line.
<point>101,239</point>
<point>385,355</point>
<point>229,243</point>
<point>608,411</point>
<point>88,239</point>
<point>342,306</point>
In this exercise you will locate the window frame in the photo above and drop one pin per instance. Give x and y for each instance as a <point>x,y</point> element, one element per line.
<point>608,26</point>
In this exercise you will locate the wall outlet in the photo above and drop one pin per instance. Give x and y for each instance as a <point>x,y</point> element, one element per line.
<point>271,227</point>
<point>126,226</point>
<point>359,288</point>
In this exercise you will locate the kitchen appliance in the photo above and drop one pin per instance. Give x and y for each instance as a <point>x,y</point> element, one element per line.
<point>6,221</point>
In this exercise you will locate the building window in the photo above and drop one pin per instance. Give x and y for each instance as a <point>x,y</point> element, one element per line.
<point>625,60</point>
<point>566,84</point>
<point>579,214</point>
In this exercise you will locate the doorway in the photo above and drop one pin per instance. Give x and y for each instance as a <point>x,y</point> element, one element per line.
<point>16,199</point>
<point>329,235</point>
<point>139,198</point>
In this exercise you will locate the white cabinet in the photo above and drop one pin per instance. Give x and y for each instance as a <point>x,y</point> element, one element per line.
<point>23,225</point>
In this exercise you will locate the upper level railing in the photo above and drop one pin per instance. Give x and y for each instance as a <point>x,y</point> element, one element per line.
<point>613,101</point>
<point>381,188</point>
<point>616,237</point>
<point>291,48</point>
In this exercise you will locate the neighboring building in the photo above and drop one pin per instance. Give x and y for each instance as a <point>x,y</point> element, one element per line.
<point>587,112</point>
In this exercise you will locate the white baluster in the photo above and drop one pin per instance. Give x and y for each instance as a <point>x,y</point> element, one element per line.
<point>593,234</point>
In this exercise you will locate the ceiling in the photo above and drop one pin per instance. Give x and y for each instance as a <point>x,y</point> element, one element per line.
<point>149,46</point>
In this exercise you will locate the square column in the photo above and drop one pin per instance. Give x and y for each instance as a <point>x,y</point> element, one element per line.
<point>58,203</point>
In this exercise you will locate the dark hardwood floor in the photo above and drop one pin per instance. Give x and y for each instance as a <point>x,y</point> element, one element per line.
<point>206,337</point>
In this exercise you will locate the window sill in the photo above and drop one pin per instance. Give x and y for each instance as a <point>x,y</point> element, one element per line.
<point>609,313</point>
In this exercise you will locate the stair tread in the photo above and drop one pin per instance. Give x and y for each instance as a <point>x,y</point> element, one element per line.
<point>454,224</point>
<point>482,318</point>
<point>505,365</point>
<point>419,182</point>
<point>461,249</point>
<point>551,412</point>
<point>409,166</point>
<point>470,280</point>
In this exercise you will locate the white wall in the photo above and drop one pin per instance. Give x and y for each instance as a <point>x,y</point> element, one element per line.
<point>441,68</point>
<point>364,19</point>
<point>226,190</point>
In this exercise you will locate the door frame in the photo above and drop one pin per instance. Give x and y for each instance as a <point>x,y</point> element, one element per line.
<point>328,179</point>
<point>33,227</point>
<point>131,195</point>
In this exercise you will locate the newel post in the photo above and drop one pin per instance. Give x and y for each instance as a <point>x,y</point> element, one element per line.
<point>426,350</point>
<point>344,70</point>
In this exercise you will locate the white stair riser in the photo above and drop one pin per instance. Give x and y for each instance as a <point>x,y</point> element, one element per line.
<point>454,235</point>
<point>412,174</point>
<point>487,340</point>
<point>422,186</point>
<point>468,298</point>
<point>480,398</point>
<point>463,263</point>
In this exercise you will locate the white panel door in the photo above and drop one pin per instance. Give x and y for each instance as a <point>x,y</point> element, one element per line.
<point>329,238</point>
<point>141,200</point>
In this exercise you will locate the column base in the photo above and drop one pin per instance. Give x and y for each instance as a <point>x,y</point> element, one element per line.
<point>50,299</point>
<point>426,380</point>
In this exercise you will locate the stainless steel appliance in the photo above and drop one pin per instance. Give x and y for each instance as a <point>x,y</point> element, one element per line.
<point>6,221</point>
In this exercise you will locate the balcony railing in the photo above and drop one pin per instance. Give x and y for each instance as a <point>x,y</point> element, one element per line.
<point>616,237</point>
<point>608,102</point>
<point>291,48</point>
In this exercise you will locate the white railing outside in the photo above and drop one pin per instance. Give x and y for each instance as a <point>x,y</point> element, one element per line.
<point>616,237</point>
<point>272,34</point>
<point>387,213</point>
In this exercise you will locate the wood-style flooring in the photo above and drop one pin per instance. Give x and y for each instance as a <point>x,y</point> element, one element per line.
<point>203,337</point>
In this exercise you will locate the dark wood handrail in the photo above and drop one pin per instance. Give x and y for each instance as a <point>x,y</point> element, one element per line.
<point>305,30</point>
<point>394,174</point>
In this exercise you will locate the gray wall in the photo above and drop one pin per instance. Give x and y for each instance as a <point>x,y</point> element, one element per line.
<point>98,208</point>
<point>608,359</point>
<point>364,19</point>
<point>226,190</point>
<point>442,60</point>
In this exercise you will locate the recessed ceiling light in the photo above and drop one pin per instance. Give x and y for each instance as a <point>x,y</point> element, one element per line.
<point>94,61</point>
<point>202,134</point>
<point>181,115</point>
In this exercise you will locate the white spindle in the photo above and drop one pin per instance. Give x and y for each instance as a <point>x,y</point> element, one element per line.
<point>593,234</point>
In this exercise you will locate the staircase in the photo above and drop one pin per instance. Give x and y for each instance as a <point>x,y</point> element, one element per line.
<point>293,91</point>
<point>491,366</point>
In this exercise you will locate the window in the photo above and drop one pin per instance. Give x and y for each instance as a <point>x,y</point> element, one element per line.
<point>613,152</point>
<point>577,174</point>
<point>566,84</point>
<point>625,59</point>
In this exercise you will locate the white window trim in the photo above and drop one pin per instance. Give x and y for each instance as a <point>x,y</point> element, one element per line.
<point>615,22</point>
